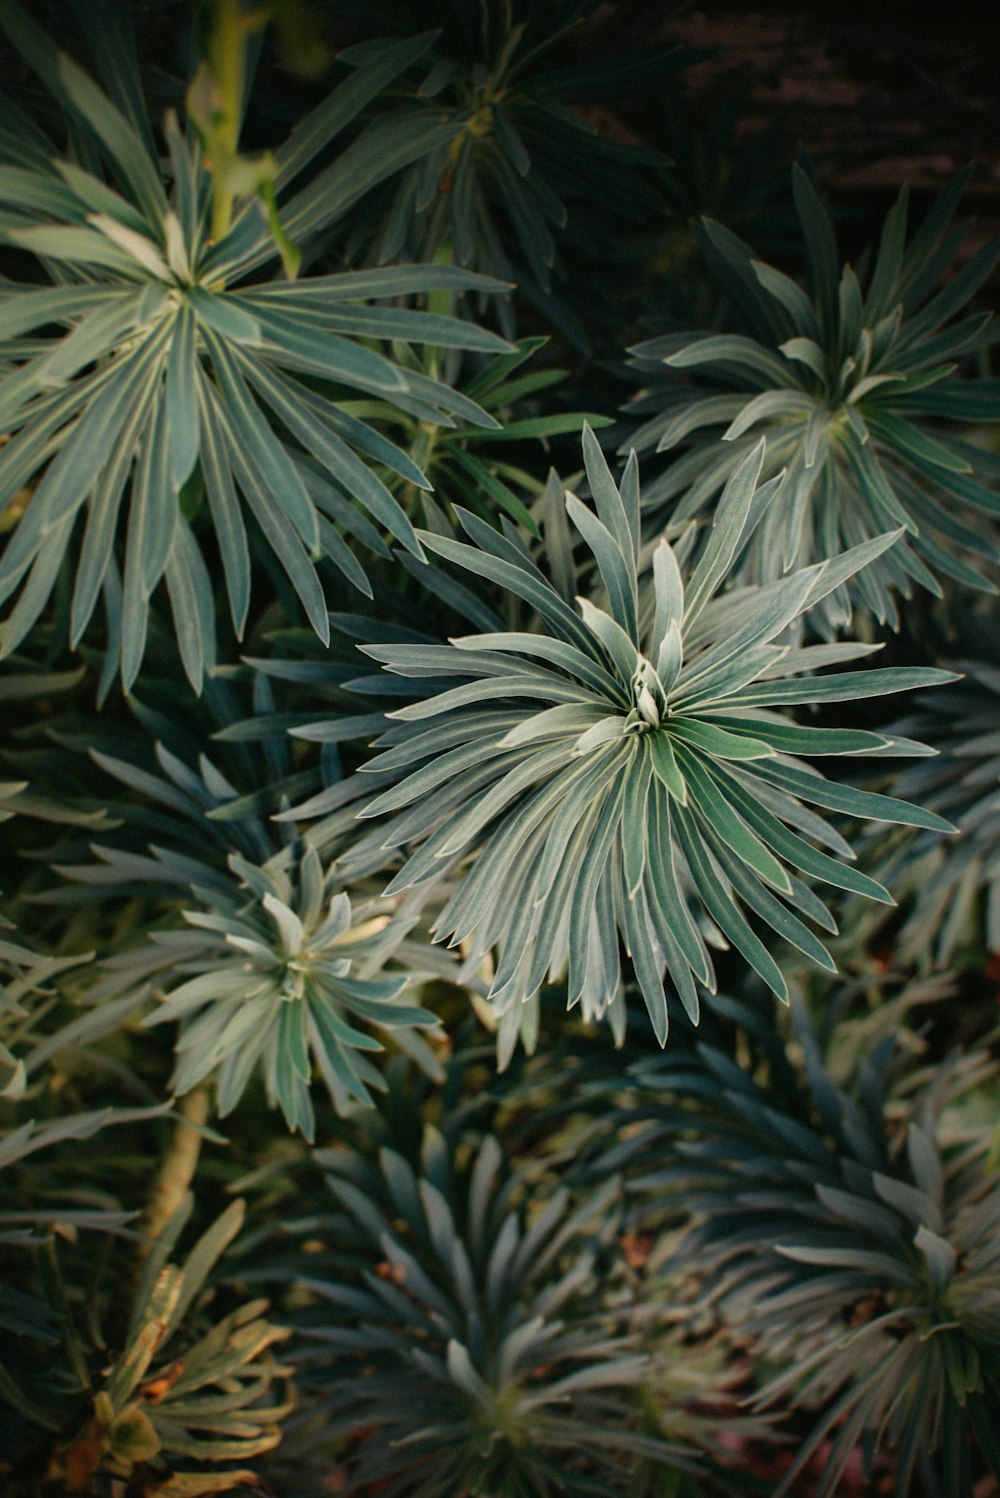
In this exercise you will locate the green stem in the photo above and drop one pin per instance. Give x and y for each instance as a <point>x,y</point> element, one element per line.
<point>177,1168</point>
<point>227,58</point>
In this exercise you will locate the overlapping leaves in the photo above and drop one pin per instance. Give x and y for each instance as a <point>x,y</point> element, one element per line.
<point>189,389</point>
<point>852,379</point>
<point>852,1233</point>
<point>949,878</point>
<point>522,157</point>
<point>25,989</point>
<point>629,764</point>
<point>474,464</point>
<point>268,963</point>
<point>176,1396</point>
<point>275,976</point>
<point>491,1361</point>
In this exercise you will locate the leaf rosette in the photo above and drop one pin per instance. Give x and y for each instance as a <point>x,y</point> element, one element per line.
<point>462,1332</point>
<point>148,1404</point>
<point>525,170</point>
<point>188,389</point>
<point>628,764</point>
<point>850,1232</point>
<point>851,377</point>
<point>274,974</point>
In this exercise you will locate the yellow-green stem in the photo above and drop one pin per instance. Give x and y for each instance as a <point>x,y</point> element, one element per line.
<point>177,1168</point>
<point>226,56</point>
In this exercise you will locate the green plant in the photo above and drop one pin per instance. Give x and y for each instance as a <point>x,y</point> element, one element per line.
<point>850,379</point>
<point>462,1337</point>
<point>161,398</point>
<point>267,966</point>
<point>654,773</point>
<point>522,160</point>
<point>280,977</point>
<point>760,1261</point>
<point>851,1233</point>
<point>180,1392</point>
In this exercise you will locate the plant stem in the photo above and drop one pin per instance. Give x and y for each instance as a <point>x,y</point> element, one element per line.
<point>226,55</point>
<point>177,1168</point>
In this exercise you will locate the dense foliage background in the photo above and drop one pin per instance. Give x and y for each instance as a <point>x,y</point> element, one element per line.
<point>476,502</point>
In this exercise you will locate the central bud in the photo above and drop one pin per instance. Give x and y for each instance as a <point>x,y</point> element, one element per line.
<point>649,701</point>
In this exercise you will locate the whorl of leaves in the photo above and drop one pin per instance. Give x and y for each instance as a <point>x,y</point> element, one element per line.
<point>520,159</point>
<point>189,386</point>
<point>152,1401</point>
<point>251,943</point>
<point>853,1234</point>
<point>850,378</point>
<point>462,1336</point>
<point>276,976</point>
<point>628,764</point>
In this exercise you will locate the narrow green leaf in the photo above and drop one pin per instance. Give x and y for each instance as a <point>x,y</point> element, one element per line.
<point>259,447</point>
<point>226,517</point>
<point>724,539</point>
<point>617,571</point>
<point>712,808</point>
<point>181,395</point>
<point>712,739</point>
<point>843,686</point>
<point>153,517</point>
<point>664,765</point>
<point>721,907</point>
<point>311,134</point>
<point>118,137</point>
<point>855,803</point>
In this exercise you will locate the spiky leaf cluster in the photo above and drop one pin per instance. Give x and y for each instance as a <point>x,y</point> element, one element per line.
<point>462,1336</point>
<point>152,1402</point>
<point>851,378</point>
<point>274,976</point>
<point>627,771</point>
<point>191,389</point>
<point>948,878</point>
<point>216,375</point>
<point>249,940</point>
<point>522,157</point>
<point>852,1234</point>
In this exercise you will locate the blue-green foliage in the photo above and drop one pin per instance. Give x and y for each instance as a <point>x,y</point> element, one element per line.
<point>265,965</point>
<point>852,1233</point>
<point>627,764</point>
<point>851,380</point>
<point>188,386</point>
<point>279,975</point>
<point>462,1328</point>
<point>620,752</point>
<point>516,169</point>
